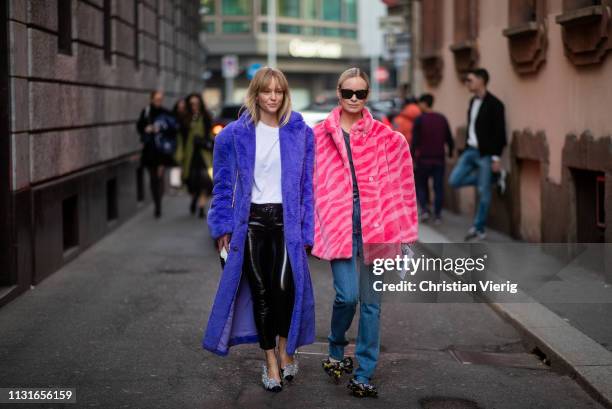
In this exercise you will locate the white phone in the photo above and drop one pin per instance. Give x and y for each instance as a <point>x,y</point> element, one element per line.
<point>223,254</point>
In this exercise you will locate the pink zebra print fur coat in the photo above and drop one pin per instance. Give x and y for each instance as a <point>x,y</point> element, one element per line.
<point>384,172</point>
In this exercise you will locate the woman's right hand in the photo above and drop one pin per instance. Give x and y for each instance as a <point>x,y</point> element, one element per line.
<point>223,242</point>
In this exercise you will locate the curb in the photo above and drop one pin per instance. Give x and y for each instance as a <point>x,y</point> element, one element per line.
<point>569,350</point>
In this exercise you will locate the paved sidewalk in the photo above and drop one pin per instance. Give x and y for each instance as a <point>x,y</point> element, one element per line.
<point>576,335</point>
<point>123,322</point>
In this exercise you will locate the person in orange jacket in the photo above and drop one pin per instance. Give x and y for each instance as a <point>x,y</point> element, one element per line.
<point>404,121</point>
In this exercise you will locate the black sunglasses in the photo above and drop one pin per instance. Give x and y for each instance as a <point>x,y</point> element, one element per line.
<point>348,93</point>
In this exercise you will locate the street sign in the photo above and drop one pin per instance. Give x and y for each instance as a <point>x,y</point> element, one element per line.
<point>253,69</point>
<point>381,75</point>
<point>229,66</point>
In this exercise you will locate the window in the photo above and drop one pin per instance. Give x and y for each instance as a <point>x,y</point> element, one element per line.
<point>350,11</point>
<point>600,200</point>
<point>112,209</point>
<point>329,32</point>
<point>465,35</point>
<point>586,28</point>
<point>136,34</point>
<point>332,10</point>
<point>310,9</point>
<point>288,8</point>
<point>70,222</point>
<point>236,8</point>
<point>349,33</point>
<point>527,34</point>
<point>233,27</point>
<point>64,26</point>
<point>107,30</point>
<point>431,40</point>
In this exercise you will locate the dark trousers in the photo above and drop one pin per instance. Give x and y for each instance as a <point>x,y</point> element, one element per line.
<point>157,186</point>
<point>268,270</point>
<point>422,174</point>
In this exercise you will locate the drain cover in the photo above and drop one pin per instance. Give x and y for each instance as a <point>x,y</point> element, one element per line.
<point>447,403</point>
<point>514,360</point>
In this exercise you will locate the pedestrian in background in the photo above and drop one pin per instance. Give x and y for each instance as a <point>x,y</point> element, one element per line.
<point>157,128</point>
<point>430,133</point>
<point>262,216</point>
<point>404,121</point>
<point>485,142</point>
<point>364,195</point>
<point>194,146</point>
<point>182,116</point>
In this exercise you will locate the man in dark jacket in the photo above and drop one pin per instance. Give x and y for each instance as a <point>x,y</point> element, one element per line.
<point>429,135</point>
<point>485,141</point>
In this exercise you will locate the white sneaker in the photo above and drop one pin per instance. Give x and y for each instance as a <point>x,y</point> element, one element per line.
<point>475,235</point>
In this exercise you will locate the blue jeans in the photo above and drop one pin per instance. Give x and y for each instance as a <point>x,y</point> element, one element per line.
<point>352,286</point>
<point>475,170</point>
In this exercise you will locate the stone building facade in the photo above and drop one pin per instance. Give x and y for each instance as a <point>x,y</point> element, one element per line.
<point>551,64</point>
<point>74,76</point>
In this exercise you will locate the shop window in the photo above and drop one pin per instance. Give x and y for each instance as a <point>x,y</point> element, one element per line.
<point>527,37</point>
<point>465,35</point>
<point>70,222</point>
<point>64,26</point>
<point>431,29</point>
<point>586,30</point>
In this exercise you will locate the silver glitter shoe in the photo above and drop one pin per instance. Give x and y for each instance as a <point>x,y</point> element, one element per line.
<point>270,384</point>
<point>290,371</point>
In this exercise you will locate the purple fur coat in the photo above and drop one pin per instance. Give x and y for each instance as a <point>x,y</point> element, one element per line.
<point>231,320</point>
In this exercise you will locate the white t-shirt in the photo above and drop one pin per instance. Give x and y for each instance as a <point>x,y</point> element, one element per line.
<point>472,139</point>
<point>267,176</point>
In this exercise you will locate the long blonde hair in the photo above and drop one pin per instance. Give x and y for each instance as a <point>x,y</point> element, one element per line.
<point>351,73</point>
<point>262,79</point>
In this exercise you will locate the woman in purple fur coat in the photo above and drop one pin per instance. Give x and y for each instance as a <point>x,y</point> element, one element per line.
<point>261,216</point>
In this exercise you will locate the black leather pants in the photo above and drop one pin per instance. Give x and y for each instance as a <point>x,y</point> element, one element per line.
<point>267,267</point>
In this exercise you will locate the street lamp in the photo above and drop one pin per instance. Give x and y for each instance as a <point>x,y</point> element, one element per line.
<point>271,33</point>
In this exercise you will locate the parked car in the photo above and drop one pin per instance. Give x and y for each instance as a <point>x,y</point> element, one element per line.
<point>317,112</point>
<point>227,114</point>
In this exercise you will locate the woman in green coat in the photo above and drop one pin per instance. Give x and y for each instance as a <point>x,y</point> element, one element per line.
<point>193,154</point>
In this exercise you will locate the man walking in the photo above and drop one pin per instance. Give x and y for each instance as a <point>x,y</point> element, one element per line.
<point>429,135</point>
<point>485,141</point>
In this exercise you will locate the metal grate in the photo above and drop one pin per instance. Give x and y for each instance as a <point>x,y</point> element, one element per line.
<point>513,360</point>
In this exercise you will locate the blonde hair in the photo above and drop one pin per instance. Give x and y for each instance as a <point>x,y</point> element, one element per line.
<point>263,78</point>
<point>351,73</point>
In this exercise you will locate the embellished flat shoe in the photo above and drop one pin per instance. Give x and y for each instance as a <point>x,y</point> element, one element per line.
<point>336,369</point>
<point>289,371</point>
<point>362,390</point>
<point>270,384</point>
